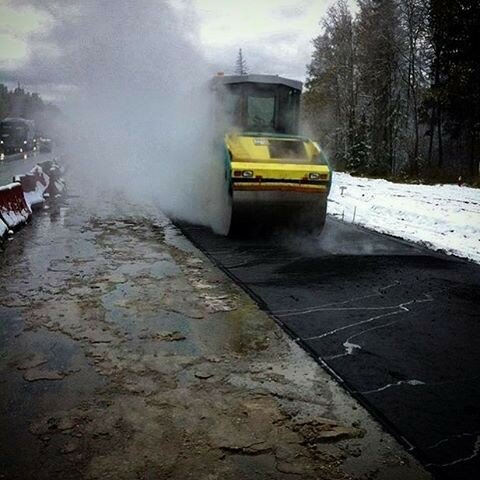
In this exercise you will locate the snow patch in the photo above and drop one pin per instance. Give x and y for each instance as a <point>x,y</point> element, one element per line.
<point>441,217</point>
<point>3,229</point>
<point>35,197</point>
<point>9,186</point>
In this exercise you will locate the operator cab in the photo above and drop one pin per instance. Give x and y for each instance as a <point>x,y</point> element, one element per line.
<point>258,103</point>
<point>271,172</point>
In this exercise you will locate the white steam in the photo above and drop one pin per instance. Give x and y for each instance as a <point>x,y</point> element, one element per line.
<point>142,121</point>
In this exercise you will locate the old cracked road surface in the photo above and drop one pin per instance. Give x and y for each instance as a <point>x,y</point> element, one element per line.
<point>398,325</point>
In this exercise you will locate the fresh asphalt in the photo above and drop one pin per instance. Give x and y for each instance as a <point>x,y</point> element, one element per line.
<point>396,324</point>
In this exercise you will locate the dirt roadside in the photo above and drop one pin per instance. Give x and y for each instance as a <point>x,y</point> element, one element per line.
<point>125,354</point>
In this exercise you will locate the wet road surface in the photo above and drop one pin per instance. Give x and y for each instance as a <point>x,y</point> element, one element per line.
<point>13,165</point>
<point>397,325</point>
<point>125,355</point>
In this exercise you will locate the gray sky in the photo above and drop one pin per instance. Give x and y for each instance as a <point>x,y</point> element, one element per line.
<point>41,41</point>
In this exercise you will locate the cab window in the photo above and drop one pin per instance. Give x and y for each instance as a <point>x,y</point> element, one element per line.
<point>261,113</point>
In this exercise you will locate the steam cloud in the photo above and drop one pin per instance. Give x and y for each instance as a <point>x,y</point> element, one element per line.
<point>141,121</point>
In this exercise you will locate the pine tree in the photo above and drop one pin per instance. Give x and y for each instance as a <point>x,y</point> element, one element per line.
<point>396,89</point>
<point>455,91</point>
<point>241,64</point>
<point>330,88</point>
<point>20,103</point>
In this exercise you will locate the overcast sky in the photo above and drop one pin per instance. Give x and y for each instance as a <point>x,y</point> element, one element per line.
<point>40,39</point>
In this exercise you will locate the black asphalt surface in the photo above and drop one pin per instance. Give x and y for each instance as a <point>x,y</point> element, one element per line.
<point>396,324</point>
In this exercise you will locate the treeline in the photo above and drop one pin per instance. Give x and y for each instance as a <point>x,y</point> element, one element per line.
<point>20,103</point>
<point>395,89</point>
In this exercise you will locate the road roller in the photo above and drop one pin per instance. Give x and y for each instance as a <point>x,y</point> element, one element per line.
<point>274,176</point>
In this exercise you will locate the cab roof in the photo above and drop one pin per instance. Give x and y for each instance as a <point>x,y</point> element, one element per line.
<point>257,78</point>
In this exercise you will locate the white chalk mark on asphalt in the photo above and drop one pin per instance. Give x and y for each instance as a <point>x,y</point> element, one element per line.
<point>327,306</point>
<point>452,437</point>
<point>362,322</point>
<point>350,347</point>
<point>412,383</point>
<point>475,453</point>
<point>403,307</point>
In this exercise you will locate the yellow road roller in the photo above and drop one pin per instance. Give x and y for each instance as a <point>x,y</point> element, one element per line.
<point>274,176</point>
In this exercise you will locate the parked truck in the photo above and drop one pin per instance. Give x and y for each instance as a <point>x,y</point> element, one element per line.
<point>17,135</point>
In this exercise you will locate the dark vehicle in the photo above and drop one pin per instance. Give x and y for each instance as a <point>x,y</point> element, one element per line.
<point>45,145</point>
<point>17,135</point>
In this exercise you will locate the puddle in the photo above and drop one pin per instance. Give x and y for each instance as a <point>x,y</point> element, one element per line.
<point>157,270</point>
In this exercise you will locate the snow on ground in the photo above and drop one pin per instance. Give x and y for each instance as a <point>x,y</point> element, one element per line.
<point>3,229</point>
<point>442,217</point>
<point>35,197</point>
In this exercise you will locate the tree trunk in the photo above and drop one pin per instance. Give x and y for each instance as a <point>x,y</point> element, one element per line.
<point>432,134</point>
<point>474,166</point>
<point>440,140</point>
